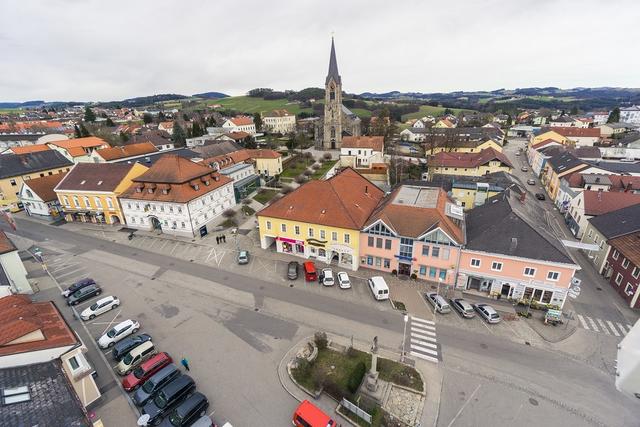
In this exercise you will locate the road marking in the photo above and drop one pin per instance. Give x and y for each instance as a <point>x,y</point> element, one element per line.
<point>593,324</point>
<point>425,327</point>
<point>417,319</point>
<point>613,328</point>
<point>422,331</point>
<point>603,326</point>
<point>425,357</point>
<point>424,350</point>
<point>423,337</point>
<point>464,405</point>
<point>210,253</point>
<point>111,323</point>
<point>424,343</point>
<point>582,321</point>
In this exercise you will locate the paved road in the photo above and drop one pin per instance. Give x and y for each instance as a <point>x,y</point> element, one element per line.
<point>486,376</point>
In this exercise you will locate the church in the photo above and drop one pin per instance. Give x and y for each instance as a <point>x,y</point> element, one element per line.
<point>338,120</point>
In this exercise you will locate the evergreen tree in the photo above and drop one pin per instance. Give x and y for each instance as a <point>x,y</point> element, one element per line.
<point>124,137</point>
<point>109,122</point>
<point>147,118</point>
<point>509,120</point>
<point>614,117</point>
<point>76,131</point>
<point>257,120</point>
<point>196,130</point>
<point>161,117</point>
<point>178,136</point>
<point>89,115</point>
<point>83,131</point>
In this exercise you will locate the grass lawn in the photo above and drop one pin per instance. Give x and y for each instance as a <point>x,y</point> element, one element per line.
<point>361,112</point>
<point>399,305</point>
<point>426,110</point>
<point>247,210</point>
<point>323,169</point>
<point>247,104</point>
<point>229,223</point>
<point>264,196</point>
<point>295,168</point>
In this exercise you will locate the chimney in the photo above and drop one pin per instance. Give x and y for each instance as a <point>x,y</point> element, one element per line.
<point>599,194</point>
<point>514,244</point>
<point>366,189</point>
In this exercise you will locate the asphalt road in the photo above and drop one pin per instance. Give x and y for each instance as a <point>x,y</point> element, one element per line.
<point>485,376</point>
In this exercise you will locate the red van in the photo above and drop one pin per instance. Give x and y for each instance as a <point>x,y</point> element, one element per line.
<point>145,371</point>
<point>310,273</point>
<point>308,415</point>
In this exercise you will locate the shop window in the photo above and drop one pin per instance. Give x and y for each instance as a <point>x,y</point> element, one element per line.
<point>432,272</point>
<point>443,274</point>
<point>387,263</point>
<point>378,262</point>
<point>369,260</point>
<point>423,270</point>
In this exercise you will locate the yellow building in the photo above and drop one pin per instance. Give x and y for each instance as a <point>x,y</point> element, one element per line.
<point>556,167</point>
<point>555,136</point>
<point>465,147</point>
<point>321,219</point>
<point>267,162</point>
<point>471,191</point>
<point>468,164</point>
<point>90,191</point>
<point>444,123</point>
<point>15,169</point>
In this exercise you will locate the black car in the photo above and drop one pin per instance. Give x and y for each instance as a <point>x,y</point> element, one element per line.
<point>292,270</point>
<point>168,398</point>
<point>185,414</point>
<point>154,384</point>
<point>77,286</point>
<point>126,345</point>
<point>540,196</point>
<point>84,294</point>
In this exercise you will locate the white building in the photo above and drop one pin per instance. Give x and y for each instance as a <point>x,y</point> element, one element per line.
<point>240,124</point>
<point>630,114</point>
<point>177,196</point>
<point>39,199</point>
<point>13,275</point>
<point>360,152</point>
<point>279,121</point>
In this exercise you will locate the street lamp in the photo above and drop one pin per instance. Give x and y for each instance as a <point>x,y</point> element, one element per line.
<point>404,335</point>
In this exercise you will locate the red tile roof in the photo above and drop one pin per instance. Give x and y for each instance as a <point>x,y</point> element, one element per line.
<point>137,149</point>
<point>30,148</point>
<point>576,132</point>
<point>544,143</point>
<point>629,246</point>
<point>264,154</point>
<point>237,136</point>
<point>87,142</point>
<point>467,160</point>
<point>624,183</point>
<point>43,186</point>
<point>374,142</point>
<point>242,120</point>
<point>6,245</point>
<point>346,200</point>
<point>601,202</point>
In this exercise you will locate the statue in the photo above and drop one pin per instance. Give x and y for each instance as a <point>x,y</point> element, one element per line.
<point>372,377</point>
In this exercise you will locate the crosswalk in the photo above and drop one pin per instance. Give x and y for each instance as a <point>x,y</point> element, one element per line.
<point>422,339</point>
<point>603,326</point>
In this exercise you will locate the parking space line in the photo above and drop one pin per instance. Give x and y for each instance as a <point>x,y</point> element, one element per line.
<point>111,323</point>
<point>58,276</point>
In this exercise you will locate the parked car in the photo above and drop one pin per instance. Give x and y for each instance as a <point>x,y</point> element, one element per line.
<point>310,272</point>
<point>308,414</point>
<point>292,270</point>
<point>186,413</point>
<point>343,280</point>
<point>170,396</point>
<point>524,169</point>
<point>438,302</point>
<point>135,357</point>
<point>326,277</point>
<point>463,307</point>
<point>206,421</point>
<point>243,257</point>
<point>153,385</point>
<point>77,286</point>
<point>531,181</point>
<point>487,312</point>
<point>128,344</point>
<point>540,196</point>
<point>379,288</point>
<point>145,371</point>
<point>84,294</point>
<point>118,332</point>
<point>101,306</point>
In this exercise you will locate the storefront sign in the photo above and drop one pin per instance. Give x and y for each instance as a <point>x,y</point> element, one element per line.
<point>316,242</point>
<point>292,241</point>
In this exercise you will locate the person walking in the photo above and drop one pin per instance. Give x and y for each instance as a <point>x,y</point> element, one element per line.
<point>185,363</point>
<point>217,240</point>
<point>224,239</point>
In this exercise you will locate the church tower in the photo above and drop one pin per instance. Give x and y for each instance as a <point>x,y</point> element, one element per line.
<point>332,131</point>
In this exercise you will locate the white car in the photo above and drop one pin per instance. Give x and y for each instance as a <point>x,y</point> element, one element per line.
<point>118,332</point>
<point>343,280</point>
<point>327,277</point>
<point>101,306</point>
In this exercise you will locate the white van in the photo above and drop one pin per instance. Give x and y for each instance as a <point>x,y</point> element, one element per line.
<point>379,288</point>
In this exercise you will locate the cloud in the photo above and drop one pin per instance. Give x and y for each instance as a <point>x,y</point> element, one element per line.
<point>96,50</point>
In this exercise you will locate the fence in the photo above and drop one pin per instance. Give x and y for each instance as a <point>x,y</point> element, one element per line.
<point>353,408</point>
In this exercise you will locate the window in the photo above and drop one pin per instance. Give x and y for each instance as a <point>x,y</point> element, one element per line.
<point>133,219</point>
<point>347,238</point>
<point>553,275</point>
<point>443,274</point>
<point>378,243</point>
<point>283,228</point>
<point>590,233</point>
<point>378,262</point>
<point>97,202</point>
<point>370,241</point>
<point>334,236</point>
<point>496,266</point>
<point>268,225</point>
<point>625,263</point>
<point>425,250</point>
<point>183,225</point>
<point>109,203</point>
<point>13,182</point>
<point>628,289</point>
<point>86,202</point>
<point>615,254</point>
<point>423,270</point>
<point>475,262</point>
<point>387,244</point>
<point>435,252</point>
<point>296,229</point>
<point>636,272</point>
<point>445,253</point>
<point>432,272</point>
<point>66,201</point>
<point>76,202</point>
<point>73,363</point>
<point>310,232</point>
<point>406,247</point>
<point>369,260</point>
<point>16,395</point>
<point>529,271</point>
<point>618,279</point>
<point>322,235</point>
<point>387,263</point>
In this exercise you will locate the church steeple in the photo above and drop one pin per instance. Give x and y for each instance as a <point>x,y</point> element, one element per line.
<point>333,66</point>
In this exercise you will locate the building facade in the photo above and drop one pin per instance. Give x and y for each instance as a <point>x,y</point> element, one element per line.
<point>39,199</point>
<point>623,267</point>
<point>279,121</point>
<point>469,164</point>
<point>630,114</point>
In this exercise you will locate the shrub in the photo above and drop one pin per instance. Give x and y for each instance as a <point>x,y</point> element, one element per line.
<point>327,156</point>
<point>336,391</point>
<point>414,276</point>
<point>315,166</point>
<point>229,213</point>
<point>286,189</point>
<point>246,201</point>
<point>300,179</point>
<point>320,338</point>
<point>352,352</point>
<point>308,155</point>
<point>355,378</point>
<point>308,172</point>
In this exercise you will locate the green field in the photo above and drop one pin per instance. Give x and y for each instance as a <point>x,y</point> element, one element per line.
<point>250,105</point>
<point>426,110</point>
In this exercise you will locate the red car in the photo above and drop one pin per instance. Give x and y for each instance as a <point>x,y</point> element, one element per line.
<point>145,371</point>
<point>308,415</point>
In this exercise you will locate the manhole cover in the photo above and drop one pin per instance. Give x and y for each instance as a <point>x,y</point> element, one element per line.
<point>599,288</point>
<point>190,260</point>
<point>256,309</point>
<point>291,286</point>
<point>153,278</point>
<point>533,401</point>
<point>484,346</point>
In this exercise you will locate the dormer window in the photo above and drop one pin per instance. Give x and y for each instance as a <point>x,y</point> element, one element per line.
<point>206,182</point>
<point>83,181</point>
<point>165,191</point>
<point>150,191</point>
<point>196,187</point>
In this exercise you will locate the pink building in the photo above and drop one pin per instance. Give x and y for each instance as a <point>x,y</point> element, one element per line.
<point>414,230</point>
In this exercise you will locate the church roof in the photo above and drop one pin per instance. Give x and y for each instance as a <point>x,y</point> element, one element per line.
<point>333,66</point>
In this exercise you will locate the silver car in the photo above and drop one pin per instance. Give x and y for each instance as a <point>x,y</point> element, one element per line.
<point>487,312</point>
<point>326,277</point>
<point>463,307</point>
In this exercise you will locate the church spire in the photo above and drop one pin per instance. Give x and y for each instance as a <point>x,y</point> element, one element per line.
<point>333,66</point>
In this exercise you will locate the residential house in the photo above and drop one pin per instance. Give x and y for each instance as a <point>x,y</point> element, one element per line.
<point>90,191</point>
<point>15,169</point>
<point>177,196</point>
<point>609,130</point>
<point>365,154</point>
<point>461,145</point>
<point>38,198</point>
<point>590,203</point>
<point>630,114</point>
<point>414,231</point>
<point>79,150</point>
<point>267,163</point>
<point>580,137</point>
<point>602,228</point>
<point>548,134</point>
<point>434,135</point>
<point>444,123</point>
<point>472,191</point>
<point>240,124</point>
<point>469,164</point>
<point>599,117</point>
<point>13,275</point>
<point>556,167</point>
<point>26,149</point>
<point>159,138</point>
<point>279,121</point>
<point>511,253</point>
<point>562,121</point>
<point>244,177</point>
<point>540,152</point>
<point>321,219</point>
<point>166,127</point>
<point>124,152</point>
<point>623,267</point>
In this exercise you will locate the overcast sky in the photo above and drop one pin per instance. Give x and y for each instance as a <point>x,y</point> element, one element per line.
<point>88,50</point>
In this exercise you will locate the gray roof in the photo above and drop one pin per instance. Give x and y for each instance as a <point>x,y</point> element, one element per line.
<point>593,178</point>
<point>216,148</point>
<point>333,66</point>
<point>498,181</point>
<point>564,162</point>
<point>618,167</point>
<point>618,223</point>
<point>53,400</point>
<point>149,159</point>
<point>506,226</point>
<point>24,164</point>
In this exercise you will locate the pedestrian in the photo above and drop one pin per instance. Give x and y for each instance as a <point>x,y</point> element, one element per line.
<point>224,239</point>
<point>185,363</point>
<point>217,240</point>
